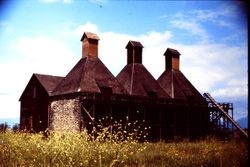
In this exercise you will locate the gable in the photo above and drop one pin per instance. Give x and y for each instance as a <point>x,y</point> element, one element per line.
<point>49,82</point>
<point>40,85</point>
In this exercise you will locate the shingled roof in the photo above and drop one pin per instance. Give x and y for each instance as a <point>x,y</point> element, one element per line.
<point>90,35</point>
<point>88,76</point>
<point>48,82</point>
<point>178,86</point>
<point>138,81</point>
<point>171,51</point>
<point>134,44</point>
<point>173,81</point>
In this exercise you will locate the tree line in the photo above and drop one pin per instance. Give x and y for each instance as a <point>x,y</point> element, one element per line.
<point>4,127</point>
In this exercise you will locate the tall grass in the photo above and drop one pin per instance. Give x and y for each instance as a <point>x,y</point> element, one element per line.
<point>209,152</point>
<point>107,149</point>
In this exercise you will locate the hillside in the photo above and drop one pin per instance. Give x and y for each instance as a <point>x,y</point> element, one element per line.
<point>243,122</point>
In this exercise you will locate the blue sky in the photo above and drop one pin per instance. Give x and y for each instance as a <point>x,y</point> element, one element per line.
<point>43,36</point>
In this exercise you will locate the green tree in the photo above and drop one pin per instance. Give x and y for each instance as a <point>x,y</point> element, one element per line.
<point>15,127</point>
<point>4,127</point>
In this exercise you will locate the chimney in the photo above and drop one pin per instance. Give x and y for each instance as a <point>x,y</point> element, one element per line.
<point>89,45</point>
<point>134,52</point>
<point>172,59</point>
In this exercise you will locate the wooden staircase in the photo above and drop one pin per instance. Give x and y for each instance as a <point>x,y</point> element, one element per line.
<point>210,99</point>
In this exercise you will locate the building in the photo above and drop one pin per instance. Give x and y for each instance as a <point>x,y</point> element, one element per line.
<point>89,93</point>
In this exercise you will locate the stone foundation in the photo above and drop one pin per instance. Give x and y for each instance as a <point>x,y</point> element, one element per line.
<point>65,115</point>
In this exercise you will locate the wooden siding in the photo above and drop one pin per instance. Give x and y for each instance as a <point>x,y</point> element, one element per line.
<point>34,107</point>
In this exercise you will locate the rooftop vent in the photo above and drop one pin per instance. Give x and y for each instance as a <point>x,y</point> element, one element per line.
<point>172,59</point>
<point>89,45</point>
<point>134,52</point>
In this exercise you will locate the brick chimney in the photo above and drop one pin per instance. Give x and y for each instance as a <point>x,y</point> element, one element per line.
<point>89,45</point>
<point>172,59</point>
<point>134,52</point>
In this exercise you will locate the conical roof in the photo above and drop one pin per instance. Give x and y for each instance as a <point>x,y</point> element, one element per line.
<point>138,81</point>
<point>178,86</point>
<point>89,75</point>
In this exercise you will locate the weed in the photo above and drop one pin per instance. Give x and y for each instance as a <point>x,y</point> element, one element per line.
<point>114,149</point>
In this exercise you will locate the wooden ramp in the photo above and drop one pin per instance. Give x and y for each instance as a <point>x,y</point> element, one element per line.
<point>212,100</point>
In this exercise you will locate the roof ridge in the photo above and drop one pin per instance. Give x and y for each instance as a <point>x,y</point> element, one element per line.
<point>55,91</point>
<point>140,81</point>
<point>38,74</point>
<point>85,76</point>
<point>82,72</point>
<point>132,79</point>
<point>182,86</point>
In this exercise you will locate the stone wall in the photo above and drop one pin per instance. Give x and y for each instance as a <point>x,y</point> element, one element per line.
<point>65,115</point>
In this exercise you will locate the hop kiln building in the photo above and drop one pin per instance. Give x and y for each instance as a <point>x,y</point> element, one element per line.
<point>170,105</point>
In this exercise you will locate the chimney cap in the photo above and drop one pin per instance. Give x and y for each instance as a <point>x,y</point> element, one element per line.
<point>171,52</point>
<point>90,35</point>
<point>134,44</point>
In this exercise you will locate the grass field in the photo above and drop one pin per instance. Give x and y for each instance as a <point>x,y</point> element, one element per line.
<point>80,149</point>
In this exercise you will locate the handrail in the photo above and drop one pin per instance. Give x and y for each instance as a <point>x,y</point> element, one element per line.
<point>212,100</point>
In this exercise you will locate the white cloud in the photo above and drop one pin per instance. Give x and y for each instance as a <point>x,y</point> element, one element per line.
<point>37,54</point>
<point>154,38</point>
<point>194,21</point>
<point>191,22</point>
<point>112,49</point>
<point>11,74</point>
<point>205,15</point>
<point>6,27</point>
<point>217,16</point>
<point>231,92</point>
<point>45,54</point>
<point>210,66</point>
<point>193,27</point>
<point>10,108</point>
<point>87,27</point>
<point>234,89</point>
<point>214,16</point>
<point>14,75</point>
